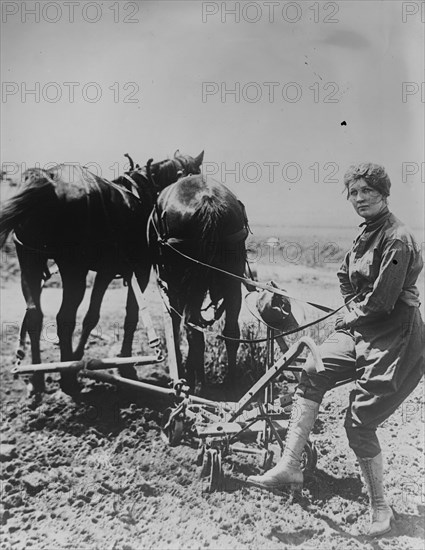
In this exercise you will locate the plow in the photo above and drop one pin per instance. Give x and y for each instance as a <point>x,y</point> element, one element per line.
<point>255,425</point>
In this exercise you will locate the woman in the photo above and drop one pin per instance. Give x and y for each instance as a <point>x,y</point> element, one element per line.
<point>379,341</point>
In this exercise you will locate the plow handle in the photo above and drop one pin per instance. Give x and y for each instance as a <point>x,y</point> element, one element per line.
<point>274,371</point>
<point>309,343</point>
<point>89,364</point>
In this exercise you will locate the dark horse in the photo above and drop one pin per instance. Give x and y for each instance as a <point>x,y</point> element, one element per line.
<point>84,222</point>
<point>198,219</point>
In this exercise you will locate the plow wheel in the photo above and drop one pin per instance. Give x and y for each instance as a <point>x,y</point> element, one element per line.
<point>212,470</point>
<point>172,427</point>
<point>308,457</point>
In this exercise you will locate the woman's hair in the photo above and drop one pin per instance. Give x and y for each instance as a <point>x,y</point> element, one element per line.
<point>373,174</point>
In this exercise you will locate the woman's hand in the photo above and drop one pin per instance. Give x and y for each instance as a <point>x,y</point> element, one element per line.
<point>340,321</point>
<point>345,320</point>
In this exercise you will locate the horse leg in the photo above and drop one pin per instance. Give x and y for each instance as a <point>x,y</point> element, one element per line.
<point>32,268</point>
<point>195,360</point>
<point>131,320</point>
<point>130,323</point>
<point>176,322</point>
<point>233,302</point>
<point>92,316</point>
<point>196,343</point>
<point>74,286</point>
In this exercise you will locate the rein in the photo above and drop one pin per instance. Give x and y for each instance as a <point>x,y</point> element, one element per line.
<point>293,331</point>
<point>163,290</point>
<point>233,238</point>
<point>254,340</point>
<point>329,311</point>
<point>250,282</point>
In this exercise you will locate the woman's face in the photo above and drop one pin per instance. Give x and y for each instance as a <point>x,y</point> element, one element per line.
<point>367,202</point>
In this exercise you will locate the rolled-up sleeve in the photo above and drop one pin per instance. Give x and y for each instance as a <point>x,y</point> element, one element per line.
<point>388,285</point>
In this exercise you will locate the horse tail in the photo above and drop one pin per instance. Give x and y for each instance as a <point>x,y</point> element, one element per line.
<point>198,280</point>
<point>209,215</point>
<point>22,205</point>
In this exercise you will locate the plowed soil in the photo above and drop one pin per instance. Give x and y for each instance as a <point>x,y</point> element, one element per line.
<point>95,473</point>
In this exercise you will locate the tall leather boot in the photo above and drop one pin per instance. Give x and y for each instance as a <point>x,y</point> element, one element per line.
<point>381,513</point>
<point>288,470</point>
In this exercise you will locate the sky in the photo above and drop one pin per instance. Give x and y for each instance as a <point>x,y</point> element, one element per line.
<point>317,86</point>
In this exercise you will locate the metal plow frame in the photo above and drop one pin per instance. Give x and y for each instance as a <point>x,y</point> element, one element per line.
<point>253,425</point>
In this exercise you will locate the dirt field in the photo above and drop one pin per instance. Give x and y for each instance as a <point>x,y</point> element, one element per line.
<point>96,474</point>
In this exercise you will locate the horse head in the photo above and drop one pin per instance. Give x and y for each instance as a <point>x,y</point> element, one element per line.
<point>168,171</point>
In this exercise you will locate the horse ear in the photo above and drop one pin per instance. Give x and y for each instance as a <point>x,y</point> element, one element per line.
<point>199,159</point>
<point>149,173</point>
<point>177,153</point>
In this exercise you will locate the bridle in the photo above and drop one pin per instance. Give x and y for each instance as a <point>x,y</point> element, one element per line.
<point>182,171</point>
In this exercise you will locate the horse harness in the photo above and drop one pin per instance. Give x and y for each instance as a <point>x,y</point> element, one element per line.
<point>158,221</point>
<point>148,177</point>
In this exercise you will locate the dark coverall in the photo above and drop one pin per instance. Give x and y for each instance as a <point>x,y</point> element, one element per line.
<point>383,346</point>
